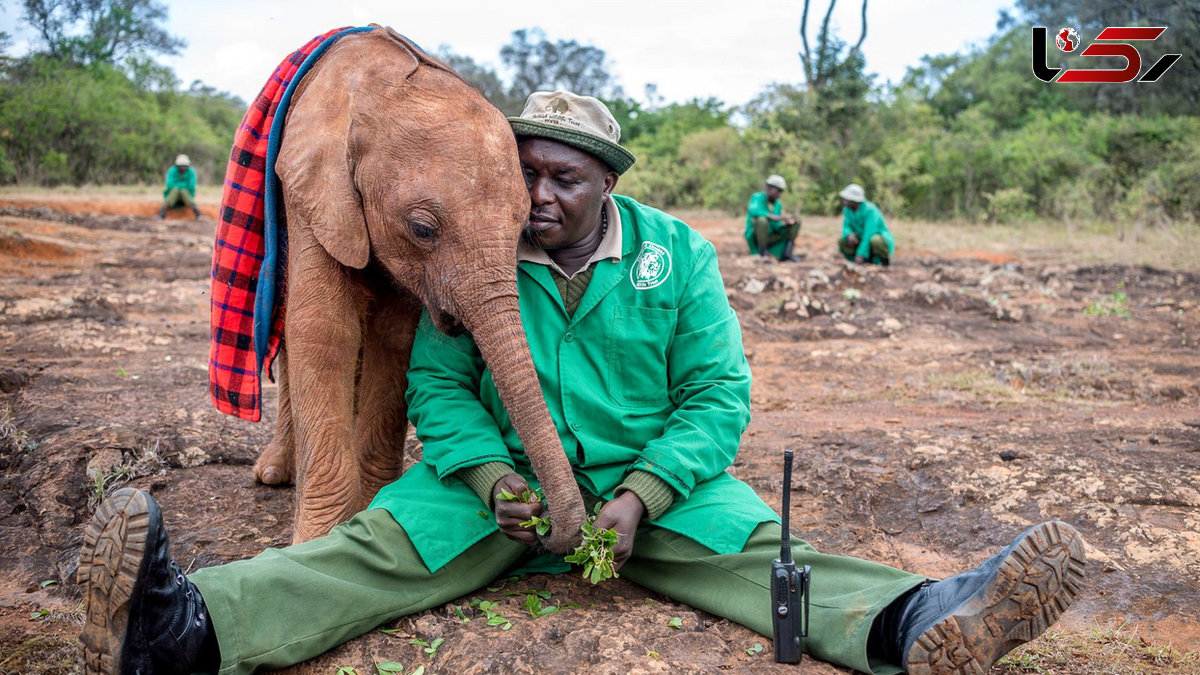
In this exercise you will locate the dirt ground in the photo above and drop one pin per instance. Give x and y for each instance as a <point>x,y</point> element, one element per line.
<point>936,409</point>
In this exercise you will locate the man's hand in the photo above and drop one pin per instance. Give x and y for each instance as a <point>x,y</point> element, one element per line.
<point>852,240</point>
<point>622,515</point>
<point>510,515</point>
<point>859,259</point>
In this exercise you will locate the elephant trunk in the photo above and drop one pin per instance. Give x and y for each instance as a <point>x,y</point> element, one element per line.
<point>500,335</point>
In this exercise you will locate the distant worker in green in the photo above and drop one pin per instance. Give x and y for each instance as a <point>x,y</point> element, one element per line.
<point>865,237</point>
<point>181,187</point>
<point>768,231</point>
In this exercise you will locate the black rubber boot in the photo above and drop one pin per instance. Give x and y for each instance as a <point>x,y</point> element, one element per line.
<point>142,615</point>
<point>965,623</point>
<point>162,213</point>
<point>788,255</point>
<point>196,210</point>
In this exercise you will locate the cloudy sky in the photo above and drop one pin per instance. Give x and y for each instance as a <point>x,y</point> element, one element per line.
<point>699,48</point>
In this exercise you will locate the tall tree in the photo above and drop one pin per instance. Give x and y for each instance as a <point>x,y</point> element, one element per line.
<point>825,61</point>
<point>101,31</point>
<point>537,64</point>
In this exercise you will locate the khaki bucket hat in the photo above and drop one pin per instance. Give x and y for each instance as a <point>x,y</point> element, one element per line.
<point>582,122</point>
<point>776,181</point>
<point>182,160</point>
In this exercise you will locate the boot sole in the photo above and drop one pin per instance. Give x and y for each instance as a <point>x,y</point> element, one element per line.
<point>1029,591</point>
<point>110,561</point>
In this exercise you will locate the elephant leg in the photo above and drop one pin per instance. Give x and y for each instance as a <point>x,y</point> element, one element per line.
<point>382,420</point>
<point>323,333</point>
<point>277,463</point>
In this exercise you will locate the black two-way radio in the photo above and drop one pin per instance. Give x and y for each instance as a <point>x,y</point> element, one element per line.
<point>789,587</point>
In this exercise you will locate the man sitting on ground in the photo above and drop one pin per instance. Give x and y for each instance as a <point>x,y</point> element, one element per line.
<point>640,359</point>
<point>768,231</point>
<point>865,237</point>
<point>181,187</point>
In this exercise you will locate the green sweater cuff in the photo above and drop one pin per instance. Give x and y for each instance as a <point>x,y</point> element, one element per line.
<point>654,492</point>
<point>483,477</point>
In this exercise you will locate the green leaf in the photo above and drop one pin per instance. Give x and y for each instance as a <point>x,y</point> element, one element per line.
<point>675,622</point>
<point>419,671</point>
<point>390,631</point>
<point>346,670</point>
<point>39,614</point>
<point>458,611</point>
<point>419,642</point>
<point>48,583</point>
<point>389,667</point>
<point>653,654</point>
<point>483,514</point>
<point>496,620</point>
<point>755,649</point>
<point>506,626</point>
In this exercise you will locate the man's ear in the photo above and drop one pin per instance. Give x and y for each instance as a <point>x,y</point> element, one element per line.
<point>610,182</point>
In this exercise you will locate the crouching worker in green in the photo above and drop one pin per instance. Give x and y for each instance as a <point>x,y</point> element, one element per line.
<point>181,187</point>
<point>865,237</point>
<point>640,360</point>
<point>767,229</point>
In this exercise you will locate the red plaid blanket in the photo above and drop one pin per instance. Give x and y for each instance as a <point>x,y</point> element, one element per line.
<point>233,372</point>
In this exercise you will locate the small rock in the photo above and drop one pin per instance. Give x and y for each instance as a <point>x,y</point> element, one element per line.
<point>754,286</point>
<point>192,456</point>
<point>890,325</point>
<point>845,329</point>
<point>1009,455</point>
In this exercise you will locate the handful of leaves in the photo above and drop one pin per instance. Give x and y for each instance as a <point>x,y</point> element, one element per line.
<point>594,553</point>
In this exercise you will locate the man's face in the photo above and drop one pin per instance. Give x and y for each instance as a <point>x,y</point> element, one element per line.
<point>567,188</point>
<point>853,206</point>
<point>773,193</point>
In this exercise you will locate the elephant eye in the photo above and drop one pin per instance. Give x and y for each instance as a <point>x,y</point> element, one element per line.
<point>422,229</point>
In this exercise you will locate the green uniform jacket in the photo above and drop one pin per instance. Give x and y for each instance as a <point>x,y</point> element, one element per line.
<point>648,374</point>
<point>177,179</point>
<point>758,208</point>
<point>866,222</point>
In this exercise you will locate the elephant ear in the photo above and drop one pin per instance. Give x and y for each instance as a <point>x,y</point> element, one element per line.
<point>319,152</point>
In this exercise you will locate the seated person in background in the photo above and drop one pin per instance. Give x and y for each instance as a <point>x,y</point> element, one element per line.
<point>181,187</point>
<point>865,237</point>
<point>767,230</point>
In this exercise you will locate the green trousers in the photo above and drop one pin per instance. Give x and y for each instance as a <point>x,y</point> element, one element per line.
<point>288,605</point>
<point>879,249</point>
<point>771,235</point>
<point>179,197</point>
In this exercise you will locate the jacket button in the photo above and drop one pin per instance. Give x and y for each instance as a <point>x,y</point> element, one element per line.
<point>574,426</point>
<point>569,337</point>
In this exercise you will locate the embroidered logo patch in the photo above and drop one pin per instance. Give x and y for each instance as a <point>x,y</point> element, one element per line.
<point>651,267</point>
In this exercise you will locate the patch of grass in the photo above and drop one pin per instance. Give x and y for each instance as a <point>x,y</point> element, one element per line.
<point>1114,648</point>
<point>1116,304</point>
<point>12,437</point>
<point>144,462</point>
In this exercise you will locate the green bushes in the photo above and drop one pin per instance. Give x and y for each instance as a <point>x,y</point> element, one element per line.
<point>62,123</point>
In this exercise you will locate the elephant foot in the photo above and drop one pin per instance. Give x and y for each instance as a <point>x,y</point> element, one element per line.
<point>274,465</point>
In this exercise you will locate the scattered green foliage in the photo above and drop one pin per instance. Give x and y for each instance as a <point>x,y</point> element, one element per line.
<point>653,654</point>
<point>1116,304</point>
<point>756,648</point>
<point>527,496</point>
<point>851,294</point>
<point>430,648</point>
<point>492,613</point>
<point>595,552</point>
<point>458,611</point>
<point>535,604</point>
<point>39,614</point>
<point>675,623</point>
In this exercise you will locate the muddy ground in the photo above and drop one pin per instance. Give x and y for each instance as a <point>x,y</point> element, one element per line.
<point>936,409</point>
